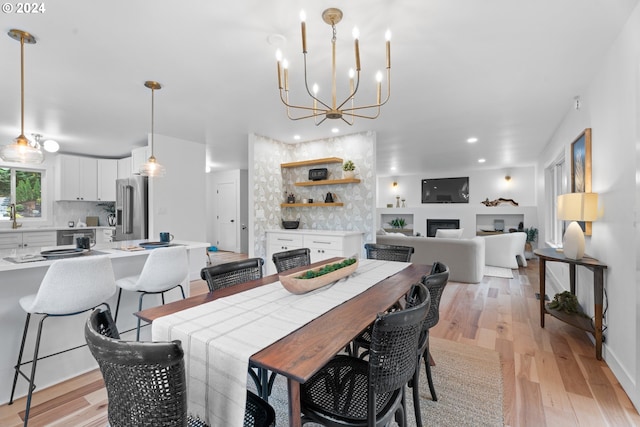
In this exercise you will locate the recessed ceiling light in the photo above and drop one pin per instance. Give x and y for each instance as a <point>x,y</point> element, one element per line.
<point>482,160</point>
<point>296,137</point>
<point>335,130</point>
<point>392,168</point>
<point>472,140</point>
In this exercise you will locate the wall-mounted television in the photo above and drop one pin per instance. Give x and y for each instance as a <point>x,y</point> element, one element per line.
<point>445,190</point>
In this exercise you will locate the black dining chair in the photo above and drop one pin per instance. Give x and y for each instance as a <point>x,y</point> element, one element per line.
<point>293,258</point>
<point>146,383</point>
<point>389,252</point>
<point>350,391</point>
<point>230,274</point>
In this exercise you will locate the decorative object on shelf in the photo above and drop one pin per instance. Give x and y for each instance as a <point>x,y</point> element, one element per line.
<point>567,302</point>
<point>576,207</point>
<point>496,202</point>
<point>329,198</point>
<point>347,107</point>
<point>291,198</point>
<point>581,169</point>
<point>318,174</point>
<point>397,201</point>
<point>152,168</point>
<point>22,150</point>
<point>389,205</point>
<point>348,170</point>
<point>403,204</point>
<point>397,223</point>
<point>310,200</point>
<point>111,220</point>
<point>295,284</point>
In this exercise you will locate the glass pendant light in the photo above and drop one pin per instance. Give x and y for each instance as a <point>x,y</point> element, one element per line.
<point>152,167</point>
<point>22,150</point>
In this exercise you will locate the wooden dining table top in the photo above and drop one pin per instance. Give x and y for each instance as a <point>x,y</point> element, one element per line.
<point>303,352</point>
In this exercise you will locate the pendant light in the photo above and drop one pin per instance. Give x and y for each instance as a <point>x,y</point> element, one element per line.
<point>152,167</point>
<point>22,150</point>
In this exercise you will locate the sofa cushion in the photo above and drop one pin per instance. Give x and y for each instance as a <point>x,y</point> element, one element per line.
<point>450,233</point>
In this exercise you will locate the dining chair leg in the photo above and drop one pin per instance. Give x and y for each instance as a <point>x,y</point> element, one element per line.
<point>427,358</point>
<point>115,319</point>
<point>32,386</point>
<point>18,364</point>
<point>415,388</point>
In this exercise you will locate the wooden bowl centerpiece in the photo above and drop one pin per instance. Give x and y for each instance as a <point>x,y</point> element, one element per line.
<point>314,278</point>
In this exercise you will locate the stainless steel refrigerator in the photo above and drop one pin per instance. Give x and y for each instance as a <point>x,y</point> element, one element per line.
<point>132,220</point>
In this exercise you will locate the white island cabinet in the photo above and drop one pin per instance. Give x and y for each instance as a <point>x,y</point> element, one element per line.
<point>323,244</point>
<point>60,333</point>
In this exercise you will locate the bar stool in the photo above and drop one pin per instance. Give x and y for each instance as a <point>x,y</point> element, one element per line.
<point>69,287</point>
<point>165,269</point>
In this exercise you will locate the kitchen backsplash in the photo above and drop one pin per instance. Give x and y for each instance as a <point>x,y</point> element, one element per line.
<point>63,212</point>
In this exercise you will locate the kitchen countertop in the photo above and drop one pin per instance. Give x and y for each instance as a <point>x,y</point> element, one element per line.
<point>316,232</point>
<point>51,228</point>
<point>111,249</point>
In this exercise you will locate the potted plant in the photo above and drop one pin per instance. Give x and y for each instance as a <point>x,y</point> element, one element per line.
<point>348,169</point>
<point>398,223</point>
<point>532,238</point>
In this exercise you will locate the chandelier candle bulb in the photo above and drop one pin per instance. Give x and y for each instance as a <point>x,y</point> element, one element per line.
<point>303,25</point>
<point>356,34</point>
<point>285,65</point>
<point>387,36</point>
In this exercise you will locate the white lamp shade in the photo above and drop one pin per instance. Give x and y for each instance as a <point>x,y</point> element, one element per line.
<point>578,207</point>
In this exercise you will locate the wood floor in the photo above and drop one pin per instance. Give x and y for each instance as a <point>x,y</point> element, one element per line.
<point>551,375</point>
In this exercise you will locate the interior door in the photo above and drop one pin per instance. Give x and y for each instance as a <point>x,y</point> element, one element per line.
<point>227,217</point>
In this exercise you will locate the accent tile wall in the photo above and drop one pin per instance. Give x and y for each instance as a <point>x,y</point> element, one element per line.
<point>271,184</point>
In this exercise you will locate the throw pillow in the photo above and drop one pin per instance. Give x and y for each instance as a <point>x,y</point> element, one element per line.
<point>455,233</point>
<point>380,232</point>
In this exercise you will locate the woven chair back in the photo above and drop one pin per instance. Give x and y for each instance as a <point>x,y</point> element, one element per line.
<point>389,252</point>
<point>394,343</point>
<point>435,283</point>
<point>232,273</point>
<point>291,259</point>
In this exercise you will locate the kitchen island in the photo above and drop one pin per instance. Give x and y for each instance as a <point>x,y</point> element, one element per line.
<point>23,278</point>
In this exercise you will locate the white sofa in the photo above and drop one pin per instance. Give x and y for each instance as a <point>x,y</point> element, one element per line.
<point>464,257</point>
<point>505,250</point>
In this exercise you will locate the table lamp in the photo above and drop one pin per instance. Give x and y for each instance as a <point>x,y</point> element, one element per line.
<point>576,207</point>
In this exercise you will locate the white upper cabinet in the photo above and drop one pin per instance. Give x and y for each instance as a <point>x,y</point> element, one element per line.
<point>124,168</point>
<point>107,175</point>
<point>76,178</point>
<point>139,156</point>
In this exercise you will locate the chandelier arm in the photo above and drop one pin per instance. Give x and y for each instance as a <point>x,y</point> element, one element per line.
<point>306,84</point>
<point>355,90</point>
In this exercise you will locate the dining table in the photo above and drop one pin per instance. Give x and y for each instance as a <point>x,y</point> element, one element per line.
<point>298,352</point>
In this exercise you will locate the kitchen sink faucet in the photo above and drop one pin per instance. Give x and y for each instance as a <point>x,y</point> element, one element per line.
<point>13,215</point>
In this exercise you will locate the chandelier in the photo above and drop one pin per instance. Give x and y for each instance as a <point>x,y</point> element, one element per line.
<point>346,109</point>
<point>22,150</point>
<point>152,167</point>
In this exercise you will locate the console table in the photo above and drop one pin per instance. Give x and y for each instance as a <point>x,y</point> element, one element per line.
<point>550,254</point>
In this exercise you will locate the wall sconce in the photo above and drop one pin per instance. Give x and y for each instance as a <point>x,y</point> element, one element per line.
<point>395,185</point>
<point>507,178</point>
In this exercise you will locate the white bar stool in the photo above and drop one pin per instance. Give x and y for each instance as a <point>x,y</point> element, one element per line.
<point>165,269</point>
<point>69,287</point>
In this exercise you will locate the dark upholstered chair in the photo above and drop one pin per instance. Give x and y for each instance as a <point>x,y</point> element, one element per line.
<point>145,381</point>
<point>350,391</point>
<point>291,259</point>
<point>389,252</point>
<point>232,273</point>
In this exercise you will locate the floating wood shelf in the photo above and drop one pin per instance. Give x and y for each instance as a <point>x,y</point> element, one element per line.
<point>311,162</point>
<point>302,205</point>
<point>328,182</point>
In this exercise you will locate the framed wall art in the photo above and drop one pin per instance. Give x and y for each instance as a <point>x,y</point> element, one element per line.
<point>581,169</point>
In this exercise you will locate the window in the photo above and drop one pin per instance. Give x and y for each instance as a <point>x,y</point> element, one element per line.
<point>555,185</point>
<point>22,187</point>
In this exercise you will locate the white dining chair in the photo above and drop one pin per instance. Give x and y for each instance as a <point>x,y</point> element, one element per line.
<point>69,287</point>
<point>164,270</point>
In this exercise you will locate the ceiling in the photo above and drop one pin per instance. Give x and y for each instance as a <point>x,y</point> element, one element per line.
<point>504,71</point>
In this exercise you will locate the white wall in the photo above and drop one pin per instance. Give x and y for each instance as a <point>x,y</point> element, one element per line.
<point>177,200</point>
<point>609,105</point>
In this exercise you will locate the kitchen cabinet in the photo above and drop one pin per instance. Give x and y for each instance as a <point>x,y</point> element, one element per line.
<point>107,175</point>
<point>27,239</point>
<point>124,167</point>
<point>323,244</point>
<point>139,156</point>
<point>76,178</point>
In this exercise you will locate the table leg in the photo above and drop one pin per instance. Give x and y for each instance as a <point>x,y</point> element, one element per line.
<point>598,283</point>
<point>542,271</point>
<point>294,403</point>
<point>572,278</point>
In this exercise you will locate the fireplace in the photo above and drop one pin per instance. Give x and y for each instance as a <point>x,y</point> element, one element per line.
<point>434,224</point>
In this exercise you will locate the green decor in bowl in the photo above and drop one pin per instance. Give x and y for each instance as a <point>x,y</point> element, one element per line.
<point>314,278</point>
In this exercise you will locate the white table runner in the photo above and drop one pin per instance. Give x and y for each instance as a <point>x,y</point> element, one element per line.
<point>219,337</point>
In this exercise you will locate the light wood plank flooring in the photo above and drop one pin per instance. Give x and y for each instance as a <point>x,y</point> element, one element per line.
<point>551,376</point>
